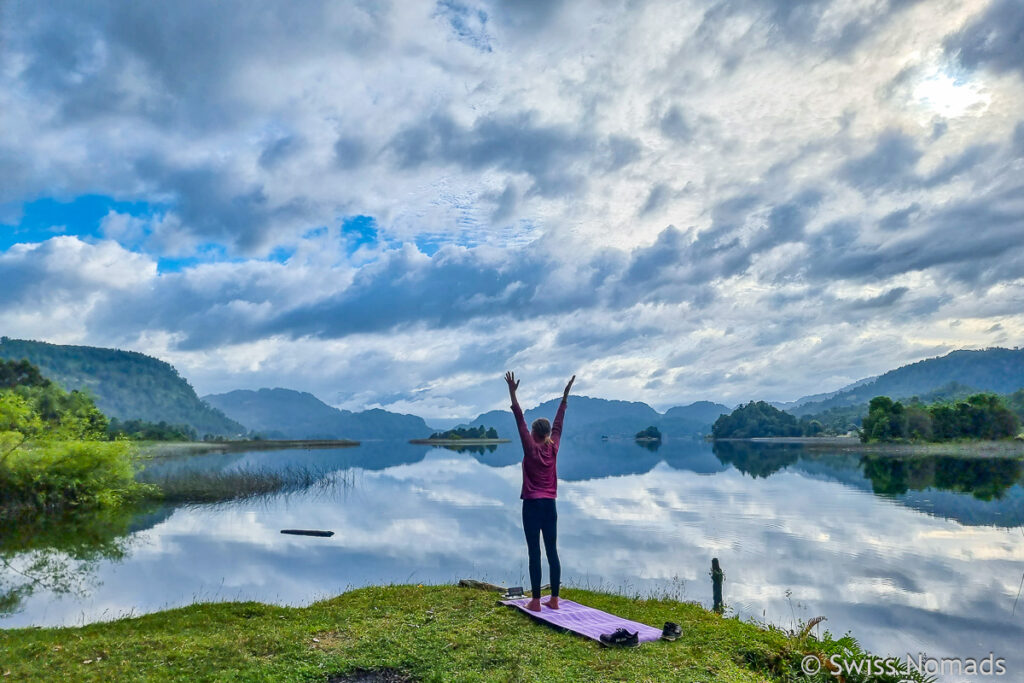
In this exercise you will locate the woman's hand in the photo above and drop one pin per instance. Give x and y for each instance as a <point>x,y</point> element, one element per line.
<point>565,394</point>
<point>513,384</point>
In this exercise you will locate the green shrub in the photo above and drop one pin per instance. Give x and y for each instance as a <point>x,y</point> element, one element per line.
<point>56,475</point>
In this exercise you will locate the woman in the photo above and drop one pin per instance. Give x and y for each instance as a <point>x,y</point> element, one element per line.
<point>540,482</point>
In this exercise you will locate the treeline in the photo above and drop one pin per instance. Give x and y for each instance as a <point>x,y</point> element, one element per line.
<point>141,430</point>
<point>978,416</point>
<point>480,432</point>
<point>981,416</point>
<point>844,419</point>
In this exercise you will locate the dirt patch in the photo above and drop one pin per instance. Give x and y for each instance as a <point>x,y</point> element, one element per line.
<point>371,676</point>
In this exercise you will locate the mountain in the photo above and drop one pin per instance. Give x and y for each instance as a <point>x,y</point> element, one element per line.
<point>288,414</point>
<point>588,416</point>
<point>817,398</point>
<point>704,412</point>
<point>997,370</point>
<point>125,384</point>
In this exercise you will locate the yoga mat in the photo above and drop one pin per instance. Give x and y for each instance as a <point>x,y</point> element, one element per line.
<point>584,620</point>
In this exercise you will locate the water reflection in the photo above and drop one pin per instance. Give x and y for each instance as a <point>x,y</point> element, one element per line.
<point>60,556</point>
<point>911,555</point>
<point>984,478</point>
<point>479,449</point>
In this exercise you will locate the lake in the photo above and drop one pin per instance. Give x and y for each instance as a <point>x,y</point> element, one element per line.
<point>922,555</point>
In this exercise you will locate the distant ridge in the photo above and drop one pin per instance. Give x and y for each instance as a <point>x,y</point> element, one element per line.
<point>126,384</point>
<point>288,414</point>
<point>587,416</point>
<point>818,398</point>
<point>997,370</point>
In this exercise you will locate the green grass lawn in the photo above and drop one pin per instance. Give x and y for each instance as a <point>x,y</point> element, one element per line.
<point>428,633</point>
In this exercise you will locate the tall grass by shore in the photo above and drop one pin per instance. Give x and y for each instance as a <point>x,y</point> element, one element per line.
<point>210,486</point>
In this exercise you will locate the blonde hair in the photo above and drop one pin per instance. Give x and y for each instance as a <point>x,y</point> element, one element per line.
<point>541,430</point>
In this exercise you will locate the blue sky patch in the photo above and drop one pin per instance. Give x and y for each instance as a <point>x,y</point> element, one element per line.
<point>359,231</point>
<point>48,217</point>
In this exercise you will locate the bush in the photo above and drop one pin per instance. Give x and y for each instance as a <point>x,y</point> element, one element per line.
<point>48,477</point>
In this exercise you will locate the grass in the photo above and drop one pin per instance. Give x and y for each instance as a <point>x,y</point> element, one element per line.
<point>208,486</point>
<point>432,633</point>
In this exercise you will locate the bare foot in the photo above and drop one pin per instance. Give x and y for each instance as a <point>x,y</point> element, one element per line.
<point>533,605</point>
<point>552,602</point>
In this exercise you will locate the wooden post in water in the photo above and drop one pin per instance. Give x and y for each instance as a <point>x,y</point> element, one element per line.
<point>717,576</point>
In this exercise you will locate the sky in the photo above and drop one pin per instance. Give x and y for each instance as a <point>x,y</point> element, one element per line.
<point>388,204</point>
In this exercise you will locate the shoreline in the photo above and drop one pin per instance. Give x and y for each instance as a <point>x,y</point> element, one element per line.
<point>162,449</point>
<point>847,444</point>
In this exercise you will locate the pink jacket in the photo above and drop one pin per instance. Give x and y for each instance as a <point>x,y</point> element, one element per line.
<point>540,476</point>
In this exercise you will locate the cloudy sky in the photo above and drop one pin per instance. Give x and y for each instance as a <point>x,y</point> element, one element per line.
<point>389,204</point>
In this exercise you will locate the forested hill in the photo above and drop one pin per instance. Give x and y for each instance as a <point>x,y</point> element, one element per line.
<point>1000,371</point>
<point>593,417</point>
<point>125,384</point>
<point>288,414</point>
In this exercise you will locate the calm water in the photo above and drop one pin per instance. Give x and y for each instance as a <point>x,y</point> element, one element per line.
<point>911,556</point>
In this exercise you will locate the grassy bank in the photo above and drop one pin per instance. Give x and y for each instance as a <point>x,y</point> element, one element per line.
<point>435,633</point>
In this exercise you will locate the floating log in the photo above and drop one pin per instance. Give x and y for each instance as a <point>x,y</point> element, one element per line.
<point>307,532</point>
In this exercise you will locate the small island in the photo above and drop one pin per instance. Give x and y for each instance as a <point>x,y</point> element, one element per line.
<point>463,436</point>
<point>650,434</point>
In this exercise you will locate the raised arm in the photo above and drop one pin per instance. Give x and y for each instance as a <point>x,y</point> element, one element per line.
<point>524,431</point>
<point>556,428</point>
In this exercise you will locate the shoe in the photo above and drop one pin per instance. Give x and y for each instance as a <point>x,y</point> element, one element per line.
<point>671,631</point>
<point>621,638</point>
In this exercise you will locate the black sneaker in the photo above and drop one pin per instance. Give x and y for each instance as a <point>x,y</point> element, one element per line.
<point>621,638</point>
<point>671,631</point>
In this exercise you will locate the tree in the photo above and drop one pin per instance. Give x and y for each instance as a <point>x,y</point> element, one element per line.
<point>755,419</point>
<point>979,416</point>
<point>20,373</point>
<point>649,433</point>
<point>479,432</point>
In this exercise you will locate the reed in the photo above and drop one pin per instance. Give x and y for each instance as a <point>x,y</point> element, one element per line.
<point>211,486</point>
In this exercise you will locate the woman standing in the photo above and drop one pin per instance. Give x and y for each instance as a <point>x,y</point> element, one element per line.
<point>540,484</point>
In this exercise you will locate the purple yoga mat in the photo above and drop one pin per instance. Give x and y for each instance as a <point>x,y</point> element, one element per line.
<point>584,620</point>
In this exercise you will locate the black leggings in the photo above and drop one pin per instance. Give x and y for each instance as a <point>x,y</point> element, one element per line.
<point>539,514</point>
